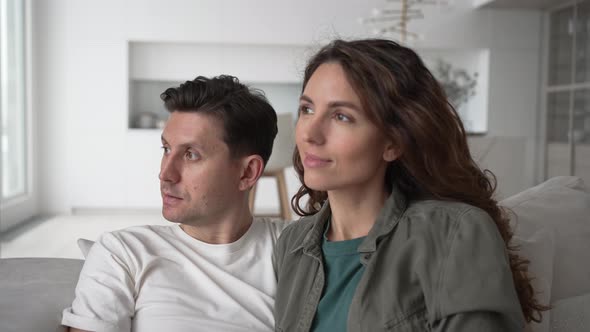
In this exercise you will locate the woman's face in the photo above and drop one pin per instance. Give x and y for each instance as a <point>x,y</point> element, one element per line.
<point>339,147</point>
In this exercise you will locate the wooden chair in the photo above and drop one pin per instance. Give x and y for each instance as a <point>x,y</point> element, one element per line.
<point>280,159</point>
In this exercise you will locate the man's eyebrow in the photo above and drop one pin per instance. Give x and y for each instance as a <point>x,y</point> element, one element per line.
<point>185,145</point>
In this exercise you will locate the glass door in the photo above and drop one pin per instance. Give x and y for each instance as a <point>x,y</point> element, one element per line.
<point>567,97</point>
<point>18,200</point>
<point>581,134</point>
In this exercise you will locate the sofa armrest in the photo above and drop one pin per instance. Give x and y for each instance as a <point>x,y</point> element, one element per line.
<point>34,291</point>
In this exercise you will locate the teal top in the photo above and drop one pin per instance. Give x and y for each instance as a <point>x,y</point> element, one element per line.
<point>343,269</point>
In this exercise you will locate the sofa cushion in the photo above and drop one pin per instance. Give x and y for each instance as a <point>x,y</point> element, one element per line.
<point>85,246</point>
<point>571,314</point>
<point>560,205</point>
<point>34,292</point>
<point>539,248</point>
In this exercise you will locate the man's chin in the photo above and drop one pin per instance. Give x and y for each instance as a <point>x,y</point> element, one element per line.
<point>170,216</point>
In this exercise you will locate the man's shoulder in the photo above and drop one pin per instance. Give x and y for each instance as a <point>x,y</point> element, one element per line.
<point>271,226</point>
<point>143,230</point>
<point>136,235</point>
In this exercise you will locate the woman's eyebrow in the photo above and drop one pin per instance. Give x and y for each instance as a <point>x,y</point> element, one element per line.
<point>333,104</point>
<point>305,98</point>
<point>346,104</point>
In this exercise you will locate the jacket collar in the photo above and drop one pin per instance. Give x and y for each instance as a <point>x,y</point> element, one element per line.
<point>312,242</point>
<point>390,215</point>
<point>388,218</point>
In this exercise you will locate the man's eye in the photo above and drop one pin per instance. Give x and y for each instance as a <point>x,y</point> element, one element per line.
<point>166,149</point>
<point>192,155</point>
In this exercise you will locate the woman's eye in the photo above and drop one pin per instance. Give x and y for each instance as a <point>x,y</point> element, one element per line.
<point>342,117</point>
<point>305,110</point>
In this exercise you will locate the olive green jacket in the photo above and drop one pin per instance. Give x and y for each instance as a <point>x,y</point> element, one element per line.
<point>430,266</point>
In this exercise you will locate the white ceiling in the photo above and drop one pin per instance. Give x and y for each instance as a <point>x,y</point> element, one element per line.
<point>520,4</point>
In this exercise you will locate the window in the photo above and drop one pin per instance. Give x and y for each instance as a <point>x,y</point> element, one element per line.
<point>18,194</point>
<point>13,144</point>
<point>567,91</point>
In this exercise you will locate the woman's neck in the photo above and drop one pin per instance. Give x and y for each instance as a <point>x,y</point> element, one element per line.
<point>354,213</point>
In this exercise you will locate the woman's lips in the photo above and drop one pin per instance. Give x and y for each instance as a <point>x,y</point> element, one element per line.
<point>313,161</point>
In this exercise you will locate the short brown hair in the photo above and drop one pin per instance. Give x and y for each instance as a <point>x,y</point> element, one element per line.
<point>249,121</point>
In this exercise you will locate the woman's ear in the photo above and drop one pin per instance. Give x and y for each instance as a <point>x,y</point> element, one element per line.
<point>252,168</point>
<point>391,152</point>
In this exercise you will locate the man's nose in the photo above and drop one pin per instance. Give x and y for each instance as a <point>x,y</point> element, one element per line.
<point>169,170</point>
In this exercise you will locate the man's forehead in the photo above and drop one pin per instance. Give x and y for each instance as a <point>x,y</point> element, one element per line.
<point>186,128</point>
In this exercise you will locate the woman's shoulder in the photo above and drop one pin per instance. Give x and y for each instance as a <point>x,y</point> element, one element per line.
<point>443,218</point>
<point>448,207</point>
<point>457,248</point>
<point>450,211</point>
<point>301,226</point>
<point>295,233</point>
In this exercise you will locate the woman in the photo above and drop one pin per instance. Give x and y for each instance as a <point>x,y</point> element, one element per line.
<point>400,230</point>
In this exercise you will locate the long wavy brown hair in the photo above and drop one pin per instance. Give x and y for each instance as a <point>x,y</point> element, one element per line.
<point>404,100</point>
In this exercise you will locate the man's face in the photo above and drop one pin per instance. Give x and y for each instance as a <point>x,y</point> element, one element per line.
<point>198,178</point>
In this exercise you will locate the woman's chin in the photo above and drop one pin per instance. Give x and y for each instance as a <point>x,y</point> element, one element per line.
<point>317,184</point>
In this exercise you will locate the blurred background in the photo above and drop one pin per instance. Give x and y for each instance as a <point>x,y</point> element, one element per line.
<point>81,116</point>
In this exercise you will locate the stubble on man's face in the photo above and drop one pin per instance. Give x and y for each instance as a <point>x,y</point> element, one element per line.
<point>198,177</point>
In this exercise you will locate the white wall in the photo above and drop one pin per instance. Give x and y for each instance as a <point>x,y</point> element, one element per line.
<point>88,158</point>
<point>515,67</point>
<point>473,112</point>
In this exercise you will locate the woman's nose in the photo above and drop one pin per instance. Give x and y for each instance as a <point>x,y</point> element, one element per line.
<point>311,129</point>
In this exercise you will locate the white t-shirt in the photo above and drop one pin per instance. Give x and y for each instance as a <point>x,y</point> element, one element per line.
<point>158,278</point>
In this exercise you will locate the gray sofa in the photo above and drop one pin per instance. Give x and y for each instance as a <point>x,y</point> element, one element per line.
<point>33,292</point>
<point>552,228</point>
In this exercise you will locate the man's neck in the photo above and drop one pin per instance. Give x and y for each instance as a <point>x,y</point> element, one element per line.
<point>223,229</point>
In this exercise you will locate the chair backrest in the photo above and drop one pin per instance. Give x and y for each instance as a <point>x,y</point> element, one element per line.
<point>282,151</point>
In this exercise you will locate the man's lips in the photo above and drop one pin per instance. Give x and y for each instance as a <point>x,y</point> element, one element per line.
<point>313,161</point>
<point>168,199</point>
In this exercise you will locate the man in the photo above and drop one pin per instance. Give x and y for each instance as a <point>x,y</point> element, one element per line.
<point>213,271</point>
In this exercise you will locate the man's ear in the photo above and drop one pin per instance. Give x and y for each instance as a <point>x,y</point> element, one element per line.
<point>252,168</point>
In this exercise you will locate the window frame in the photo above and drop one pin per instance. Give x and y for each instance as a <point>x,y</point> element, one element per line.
<point>572,87</point>
<point>20,208</point>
